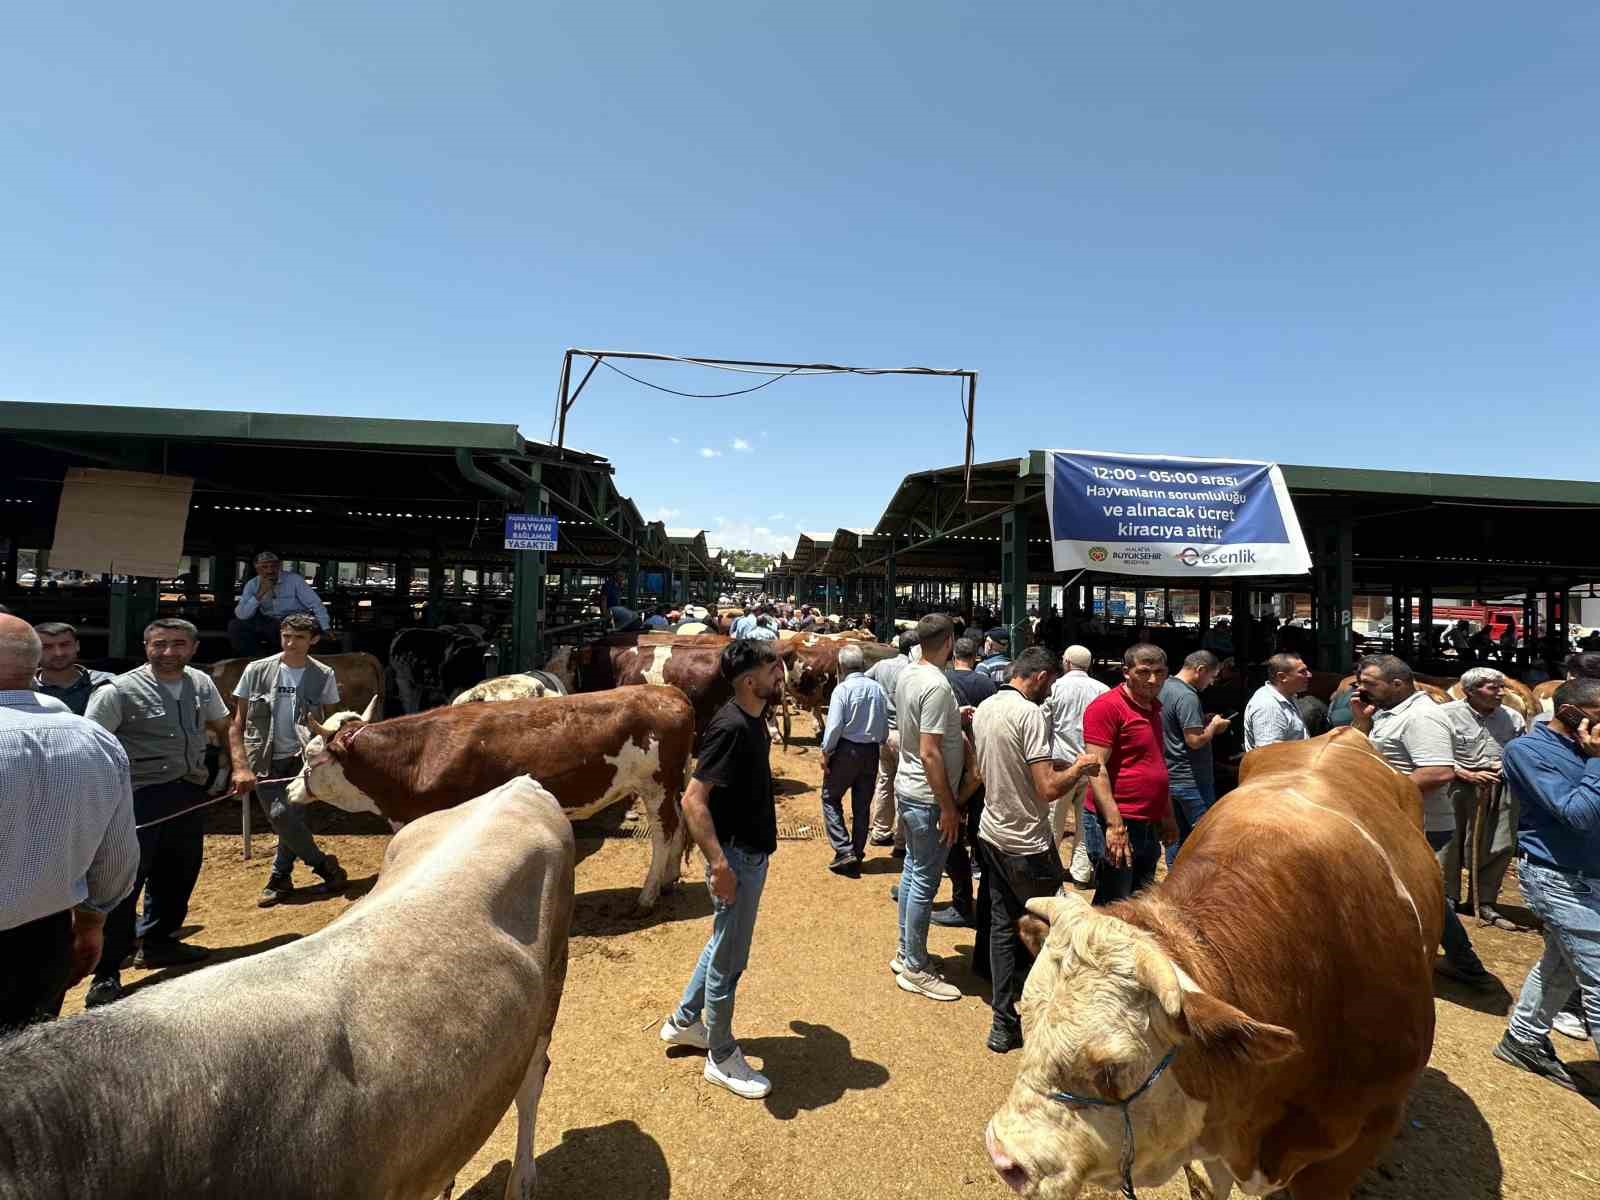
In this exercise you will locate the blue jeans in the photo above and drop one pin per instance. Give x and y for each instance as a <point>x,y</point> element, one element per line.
<point>1454,941</point>
<point>1569,906</point>
<point>1119,883</point>
<point>919,878</point>
<point>1189,804</point>
<point>727,953</point>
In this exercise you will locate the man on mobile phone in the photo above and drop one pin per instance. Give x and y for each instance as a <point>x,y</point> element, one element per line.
<point>1553,772</point>
<point>1186,736</point>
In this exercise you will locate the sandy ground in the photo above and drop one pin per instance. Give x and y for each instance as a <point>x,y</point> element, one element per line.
<point>876,1092</point>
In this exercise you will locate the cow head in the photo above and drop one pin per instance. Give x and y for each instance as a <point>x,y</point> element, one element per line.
<point>1102,1007</point>
<point>563,665</point>
<point>322,778</point>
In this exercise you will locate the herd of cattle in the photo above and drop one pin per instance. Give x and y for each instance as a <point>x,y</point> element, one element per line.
<point>1286,981</point>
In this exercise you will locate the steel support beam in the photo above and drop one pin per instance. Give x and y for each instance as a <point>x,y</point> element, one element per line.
<point>1014,572</point>
<point>133,606</point>
<point>1334,567</point>
<point>527,590</point>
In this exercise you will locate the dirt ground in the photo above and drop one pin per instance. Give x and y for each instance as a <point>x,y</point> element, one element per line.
<point>875,1092</point>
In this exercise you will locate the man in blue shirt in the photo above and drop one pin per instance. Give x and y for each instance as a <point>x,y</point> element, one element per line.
<point>265,601</point>
<point>996,662</point>
<point>1554,772</point>
<point>857,724</point>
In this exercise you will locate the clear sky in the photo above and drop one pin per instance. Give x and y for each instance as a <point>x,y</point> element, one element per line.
<point>1353,234</point>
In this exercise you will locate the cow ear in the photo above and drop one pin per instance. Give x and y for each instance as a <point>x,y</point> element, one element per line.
<point>1219,1027</point>
<point>1060,909</point>
<point>1032,931</point>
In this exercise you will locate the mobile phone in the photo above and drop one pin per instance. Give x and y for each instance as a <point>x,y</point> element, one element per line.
<point>1572,716</point>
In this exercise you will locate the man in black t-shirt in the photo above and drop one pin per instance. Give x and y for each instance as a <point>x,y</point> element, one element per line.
<point>730,813</point>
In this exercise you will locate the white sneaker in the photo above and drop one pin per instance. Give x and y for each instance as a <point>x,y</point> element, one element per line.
<point>897,964</point>
<point>693,1035</point>
<point>1570,1025</point>
<point>738,1076</point>
<point>1081,870</point>
<point>926,983</point>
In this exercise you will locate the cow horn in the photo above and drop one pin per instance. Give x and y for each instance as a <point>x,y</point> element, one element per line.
<point>371,712</point>
<point>1059,910</point>
<point>1155,971</point>
<point>317,727</point>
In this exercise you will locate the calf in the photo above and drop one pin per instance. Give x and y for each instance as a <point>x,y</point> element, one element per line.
<point>1283,970</point>
<point>368,1061</point>
<point>591,751</point>
<point>428,667</point>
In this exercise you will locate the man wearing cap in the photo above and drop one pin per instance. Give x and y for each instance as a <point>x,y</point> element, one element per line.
<point>266,600</point>
<point>996,662</point>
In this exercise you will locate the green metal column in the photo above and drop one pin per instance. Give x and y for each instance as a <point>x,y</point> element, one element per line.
<point>435,587</point>
<point>225,584</point>
<point>889,586</point>
<point>633,577</point>
<point>1425,644</point>
<point>1014,575</point>
<point>1334,566</point>
<point>527,590</point>
<point>133,606</point>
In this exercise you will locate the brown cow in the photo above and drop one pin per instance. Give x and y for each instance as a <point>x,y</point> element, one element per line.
<point>815,672</point>
<point>1283,969</point>
<point>590,751</point>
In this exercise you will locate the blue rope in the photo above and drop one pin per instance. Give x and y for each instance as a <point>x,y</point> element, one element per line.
<point>1127,1117</point>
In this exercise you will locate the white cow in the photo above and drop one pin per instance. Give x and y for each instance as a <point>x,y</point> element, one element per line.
<point>368,1061</point>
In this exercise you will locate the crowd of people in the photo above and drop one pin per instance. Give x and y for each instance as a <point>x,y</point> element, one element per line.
<point>958,757</point>
<point>961,760</point>
<point>103,790</point>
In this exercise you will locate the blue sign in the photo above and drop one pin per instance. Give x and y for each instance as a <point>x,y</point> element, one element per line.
<point>1137,514</point>
<point>524,531</point>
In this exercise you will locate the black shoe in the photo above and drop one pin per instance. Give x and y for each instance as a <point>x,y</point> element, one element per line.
<point>1473,975</point>
<point>842,863</point>
<point>1003,1040</point>
<point>898,852</point>
<point>1537,1060</point>
<point>879,839</point>
<point>278,889</point>
<point>334,880</point>
<point>894,893</point>
<point>170,954</point>
<point>103,991</point>
<point>952,917</point>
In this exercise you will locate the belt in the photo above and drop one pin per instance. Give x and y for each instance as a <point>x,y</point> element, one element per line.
<point>1546,864</point>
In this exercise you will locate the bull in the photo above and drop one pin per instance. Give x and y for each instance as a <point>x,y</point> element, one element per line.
<point>1262,1013</point>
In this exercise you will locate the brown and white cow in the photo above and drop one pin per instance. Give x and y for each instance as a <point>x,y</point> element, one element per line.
<point>590,751</point>
<point>1284,969</point>
<point>530,685</point>
<point>691,664</point>
<point>815,671</point>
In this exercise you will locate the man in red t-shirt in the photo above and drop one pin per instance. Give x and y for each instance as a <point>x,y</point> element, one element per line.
<point>1128,813</point>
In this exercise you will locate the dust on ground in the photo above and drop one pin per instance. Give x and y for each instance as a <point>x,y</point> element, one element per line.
<point>875,1092</point>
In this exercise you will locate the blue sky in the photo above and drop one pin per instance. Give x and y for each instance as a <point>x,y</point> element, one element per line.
<point>1356,234</point>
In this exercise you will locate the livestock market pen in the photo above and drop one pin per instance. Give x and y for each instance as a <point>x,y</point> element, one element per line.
<point>1396,540</point>
<point>397,523</point>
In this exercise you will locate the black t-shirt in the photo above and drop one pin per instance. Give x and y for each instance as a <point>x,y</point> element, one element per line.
<point>735,762</point>
<point>972,687</point>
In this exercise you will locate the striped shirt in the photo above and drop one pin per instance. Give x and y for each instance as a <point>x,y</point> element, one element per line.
<point>66,813</point>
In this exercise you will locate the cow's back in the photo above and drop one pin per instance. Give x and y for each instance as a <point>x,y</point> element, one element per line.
<point>1320,906</point>
<point>368,1061</point>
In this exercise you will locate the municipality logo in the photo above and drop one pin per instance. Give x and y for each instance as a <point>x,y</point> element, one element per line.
<point>1097,554</point>
<point>1189,556</point>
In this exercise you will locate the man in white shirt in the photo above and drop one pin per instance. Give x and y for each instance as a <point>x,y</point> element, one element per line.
<point>1271,715</point>
<point>1069,696</point>
<point>1413,735</point>
<point>68,850</point>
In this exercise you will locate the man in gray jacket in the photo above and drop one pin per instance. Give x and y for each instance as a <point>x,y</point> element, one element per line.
<point>160,713</point>
<point>275,696</point>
